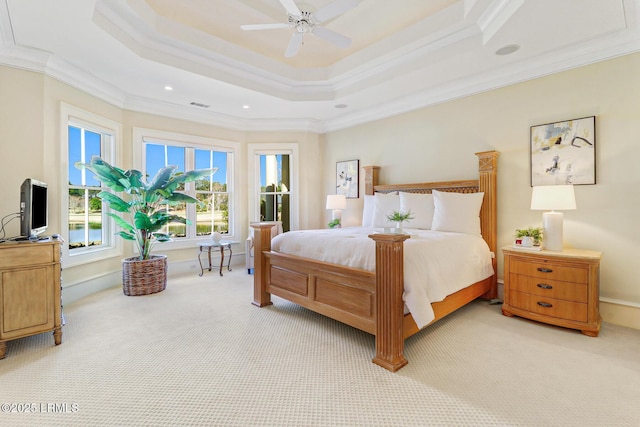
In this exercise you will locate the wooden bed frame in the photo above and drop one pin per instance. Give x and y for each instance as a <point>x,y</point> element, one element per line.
<point>366,300</point>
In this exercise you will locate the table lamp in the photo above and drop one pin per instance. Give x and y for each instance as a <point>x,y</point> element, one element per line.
<point>553,198</point>
<point>336,202</point>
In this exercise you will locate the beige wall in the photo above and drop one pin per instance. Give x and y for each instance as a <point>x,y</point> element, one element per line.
<point>30,147</point>
<point>438,143</point>
<point>435,143</point>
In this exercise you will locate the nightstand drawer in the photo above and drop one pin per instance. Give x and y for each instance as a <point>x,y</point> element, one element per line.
<point>546,287</point>
<point>550,306</point>
<point>548,270</point>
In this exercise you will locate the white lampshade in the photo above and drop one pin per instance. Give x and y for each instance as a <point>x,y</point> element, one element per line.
<point>336,201</point>
<point>553,197</point>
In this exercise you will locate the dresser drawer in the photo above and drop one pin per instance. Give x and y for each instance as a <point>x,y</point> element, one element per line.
<point>27,254</point>
<point>549,270</point>
<point>546,287</point>
<point>551,307</point>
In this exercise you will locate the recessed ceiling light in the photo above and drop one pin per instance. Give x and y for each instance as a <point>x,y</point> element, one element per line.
<point>508,49</point>
<point>246,107</point>
<point>340,106</point>
<point>168,88</point>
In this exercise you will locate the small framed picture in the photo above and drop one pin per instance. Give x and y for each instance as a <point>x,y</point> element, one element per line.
<point>564,152</point>
<point>347,178</point>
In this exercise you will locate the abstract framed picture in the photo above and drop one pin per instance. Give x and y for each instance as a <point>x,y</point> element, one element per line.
<point>347,178</point>
<point>564,152</point>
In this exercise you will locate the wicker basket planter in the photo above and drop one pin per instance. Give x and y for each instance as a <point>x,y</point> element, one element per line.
<point>144,277</point>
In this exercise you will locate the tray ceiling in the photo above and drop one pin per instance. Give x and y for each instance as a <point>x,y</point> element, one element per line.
<point>400,59</point>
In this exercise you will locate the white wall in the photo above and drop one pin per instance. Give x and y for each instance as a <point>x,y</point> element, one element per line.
<point>438,144</point>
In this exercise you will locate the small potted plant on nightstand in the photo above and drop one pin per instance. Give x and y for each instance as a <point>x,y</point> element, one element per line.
<point>529,237</point>
<point>335,223</point>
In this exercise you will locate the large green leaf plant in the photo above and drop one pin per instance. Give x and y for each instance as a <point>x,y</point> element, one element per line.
<point>141,212</point>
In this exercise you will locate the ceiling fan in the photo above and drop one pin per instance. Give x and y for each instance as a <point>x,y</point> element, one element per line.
<point>304,21</point>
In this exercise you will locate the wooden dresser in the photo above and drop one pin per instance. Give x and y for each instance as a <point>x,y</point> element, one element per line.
<point>30,300</point>
<point>557,287</point>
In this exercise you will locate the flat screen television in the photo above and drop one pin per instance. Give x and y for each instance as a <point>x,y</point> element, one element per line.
<point>34,208</point>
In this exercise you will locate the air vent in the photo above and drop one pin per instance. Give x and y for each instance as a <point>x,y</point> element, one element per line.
<point>198,104</point>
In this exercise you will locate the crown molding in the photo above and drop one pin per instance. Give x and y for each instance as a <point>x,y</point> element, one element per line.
<point>570,58</point>
<point>374,70</point>
<point>194,114</point>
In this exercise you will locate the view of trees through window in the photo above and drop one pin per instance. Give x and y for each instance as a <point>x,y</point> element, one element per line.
<point>85,208</point>
<point>275,189</point>
<point>212,191</point>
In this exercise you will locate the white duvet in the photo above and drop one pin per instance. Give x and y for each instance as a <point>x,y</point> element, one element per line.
<point>436,263</point>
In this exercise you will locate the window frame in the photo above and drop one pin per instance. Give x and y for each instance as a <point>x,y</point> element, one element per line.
<point>142,136</point>
<point>254,151</point>
<point>77,117</point>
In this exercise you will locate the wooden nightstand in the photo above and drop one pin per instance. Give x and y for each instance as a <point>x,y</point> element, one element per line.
<point>561,288</point>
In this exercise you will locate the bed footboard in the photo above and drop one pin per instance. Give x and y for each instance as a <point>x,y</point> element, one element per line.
<point>368,301</point>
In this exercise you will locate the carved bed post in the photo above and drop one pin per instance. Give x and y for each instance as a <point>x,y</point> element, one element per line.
<point>488,168</point>
<point>389,303</point>
<point>370,178</point>
<point>261,242</point>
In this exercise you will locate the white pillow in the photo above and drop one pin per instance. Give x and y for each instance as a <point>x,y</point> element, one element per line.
<point>384,204</point>
<point>421,207</point>
<point>367,210</point>
<point>459,212</point>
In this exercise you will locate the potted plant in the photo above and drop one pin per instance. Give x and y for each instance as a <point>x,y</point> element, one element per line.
<point>335,223</point>
<point>531,236</point>
<point>399,217</point>
<point>141,213</point>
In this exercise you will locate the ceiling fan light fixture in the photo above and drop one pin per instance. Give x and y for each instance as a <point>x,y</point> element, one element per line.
<point>303,21</point>
<point>508,49</point>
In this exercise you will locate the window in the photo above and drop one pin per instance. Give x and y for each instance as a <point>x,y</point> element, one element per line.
<point>87,229</point>
<point>85,213</point>
<point>275,187</point>
<point>272,172</point>
<point>187,152</point>
<point>213,192</point>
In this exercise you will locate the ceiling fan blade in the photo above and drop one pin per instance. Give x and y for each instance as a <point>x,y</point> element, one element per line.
<point>332,37</point>
<point>294,45</point>
<point>334,9</point>
<point>291,7</point>
<point>252,27</point>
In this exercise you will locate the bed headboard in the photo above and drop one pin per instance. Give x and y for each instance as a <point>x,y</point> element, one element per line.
<point>487,183</point>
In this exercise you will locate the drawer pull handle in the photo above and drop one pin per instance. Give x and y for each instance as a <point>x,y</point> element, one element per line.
<point>544,286</point>
<point>544,304</point>
<point>545,270</point>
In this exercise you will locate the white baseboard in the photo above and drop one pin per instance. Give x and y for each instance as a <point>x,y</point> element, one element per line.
<point>78,290</point>
<point>619,312</point>
<point>72,292</point>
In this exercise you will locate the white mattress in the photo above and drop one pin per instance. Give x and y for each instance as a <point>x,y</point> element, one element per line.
<point>436,263</point>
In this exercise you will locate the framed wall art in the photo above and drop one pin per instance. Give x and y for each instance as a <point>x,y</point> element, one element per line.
<point>564,152</point>
<point>347,178</point>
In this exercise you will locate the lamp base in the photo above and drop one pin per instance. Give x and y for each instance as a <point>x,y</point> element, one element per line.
<point>337,214</point>
<point>552,230</point>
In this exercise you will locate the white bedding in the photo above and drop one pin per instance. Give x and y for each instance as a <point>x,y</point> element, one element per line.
<point>436,263</point>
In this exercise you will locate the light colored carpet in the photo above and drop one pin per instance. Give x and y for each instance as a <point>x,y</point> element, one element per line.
<point>200,354</point>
